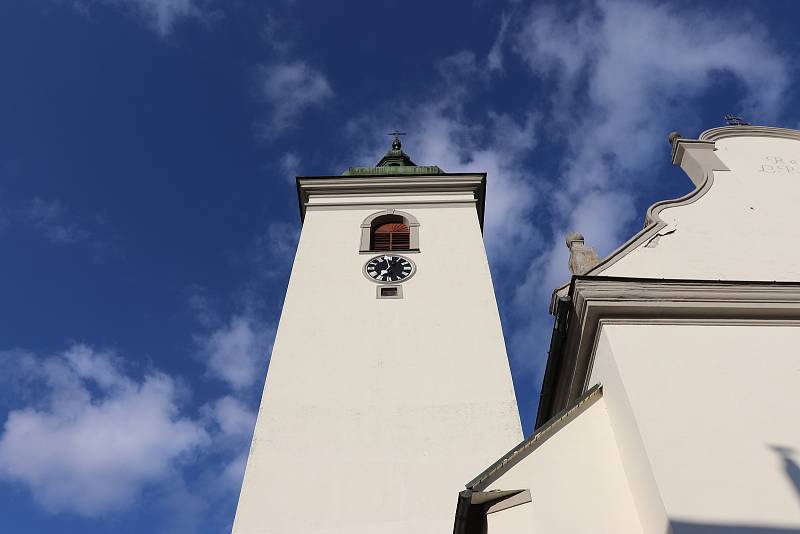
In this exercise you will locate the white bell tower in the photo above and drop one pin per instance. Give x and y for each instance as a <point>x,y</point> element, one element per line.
<point>389,384</point>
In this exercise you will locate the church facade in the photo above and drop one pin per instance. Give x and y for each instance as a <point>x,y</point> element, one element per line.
<point>670,401</point>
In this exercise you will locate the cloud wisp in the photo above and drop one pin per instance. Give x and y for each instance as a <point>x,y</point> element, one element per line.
<point>160,15</point>
<point>289,89</point>
<point>237,351</point>
<point>50,218</point>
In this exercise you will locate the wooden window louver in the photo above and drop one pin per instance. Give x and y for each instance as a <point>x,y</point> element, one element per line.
<point>391,236</point>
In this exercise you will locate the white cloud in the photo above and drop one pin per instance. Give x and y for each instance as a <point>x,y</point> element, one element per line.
<point>237,352</point>
<point>289,88</point>
<point>443,138</point>
<point>232,417</point>
<point>160,15</point>
<point>98,436</point>
<point>233,473</point>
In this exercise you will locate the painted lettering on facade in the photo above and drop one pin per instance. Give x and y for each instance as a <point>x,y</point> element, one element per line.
<point>779,165</point>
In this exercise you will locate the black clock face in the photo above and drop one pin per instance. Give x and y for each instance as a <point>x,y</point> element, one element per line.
<point>389,268</point>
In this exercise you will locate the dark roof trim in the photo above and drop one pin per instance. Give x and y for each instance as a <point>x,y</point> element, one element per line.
<point>549,429</point>
<point>555,358</point>
<point>473,507</point>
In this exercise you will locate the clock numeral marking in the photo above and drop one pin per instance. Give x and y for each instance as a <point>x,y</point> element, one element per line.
<point>389,269</point>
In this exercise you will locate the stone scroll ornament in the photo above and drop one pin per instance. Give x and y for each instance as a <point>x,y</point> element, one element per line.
<point>581,258</point>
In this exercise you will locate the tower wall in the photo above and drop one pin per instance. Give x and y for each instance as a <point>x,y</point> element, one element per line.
<point>376,411</point>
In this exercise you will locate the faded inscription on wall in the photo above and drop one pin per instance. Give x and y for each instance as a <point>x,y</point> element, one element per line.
<point>779,165</point>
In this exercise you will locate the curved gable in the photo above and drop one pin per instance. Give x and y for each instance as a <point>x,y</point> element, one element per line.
<point>739,222</point>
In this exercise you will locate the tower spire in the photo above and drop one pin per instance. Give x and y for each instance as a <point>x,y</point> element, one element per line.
<point>395,157</point>
<point>396,145</point>
<point>394,162</point>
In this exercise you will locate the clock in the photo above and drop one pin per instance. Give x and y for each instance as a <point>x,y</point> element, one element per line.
<point>389,268</point>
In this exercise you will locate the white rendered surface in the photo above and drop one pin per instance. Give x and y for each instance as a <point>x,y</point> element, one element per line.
<point>707,421</point>
<point>740,229</point>
<point>577,483</point>
<point>377,411</point>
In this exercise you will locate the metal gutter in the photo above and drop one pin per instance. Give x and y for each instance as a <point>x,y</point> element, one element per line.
<point>515,455</point>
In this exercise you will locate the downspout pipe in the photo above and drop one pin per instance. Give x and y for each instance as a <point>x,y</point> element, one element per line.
<point>554,359</point>
<point>470,518</point>
<point>462,511</point>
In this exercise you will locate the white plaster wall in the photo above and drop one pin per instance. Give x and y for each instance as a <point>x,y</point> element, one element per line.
<point>577,483</point>
<point>743,228</point>
<point>709,404</point>
<point>377,412</point>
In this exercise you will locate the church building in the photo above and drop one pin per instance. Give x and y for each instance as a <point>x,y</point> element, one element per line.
<point>671,398</point>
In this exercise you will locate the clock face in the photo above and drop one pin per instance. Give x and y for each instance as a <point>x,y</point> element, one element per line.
<point>387,269</point>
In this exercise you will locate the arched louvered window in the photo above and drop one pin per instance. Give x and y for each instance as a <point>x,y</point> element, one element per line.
<point>391,236</point>
<point>390,230</point>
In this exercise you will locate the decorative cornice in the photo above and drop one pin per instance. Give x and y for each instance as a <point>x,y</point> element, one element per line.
<point>715,134</point>
<point>370,185</point>
<point>595,300</point>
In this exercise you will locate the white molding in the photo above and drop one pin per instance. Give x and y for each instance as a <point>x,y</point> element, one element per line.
<point>597,301</point>
<point>378,204</point>
<point>723,132</point>
<point>326,190</point>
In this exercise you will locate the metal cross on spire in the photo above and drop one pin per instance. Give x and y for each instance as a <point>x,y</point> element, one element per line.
<point>396,141</point>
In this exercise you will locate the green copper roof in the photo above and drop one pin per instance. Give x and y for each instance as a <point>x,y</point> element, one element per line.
<point>393,163</point>
<point>392,171</point>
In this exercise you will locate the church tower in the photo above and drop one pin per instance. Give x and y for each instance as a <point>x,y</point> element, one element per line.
<point>389,381</point>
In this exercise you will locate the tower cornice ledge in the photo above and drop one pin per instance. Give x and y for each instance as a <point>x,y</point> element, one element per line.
<point>365,188</point>
<point>593,301</point>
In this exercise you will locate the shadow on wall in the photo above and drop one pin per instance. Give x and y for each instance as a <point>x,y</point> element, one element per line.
<point>790,467</point>
<point>792,470</point>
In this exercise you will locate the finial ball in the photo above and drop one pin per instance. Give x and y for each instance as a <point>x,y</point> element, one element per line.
<point>673,136</point>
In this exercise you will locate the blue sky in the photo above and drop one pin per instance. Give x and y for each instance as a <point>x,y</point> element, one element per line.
<point>148,216</point>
